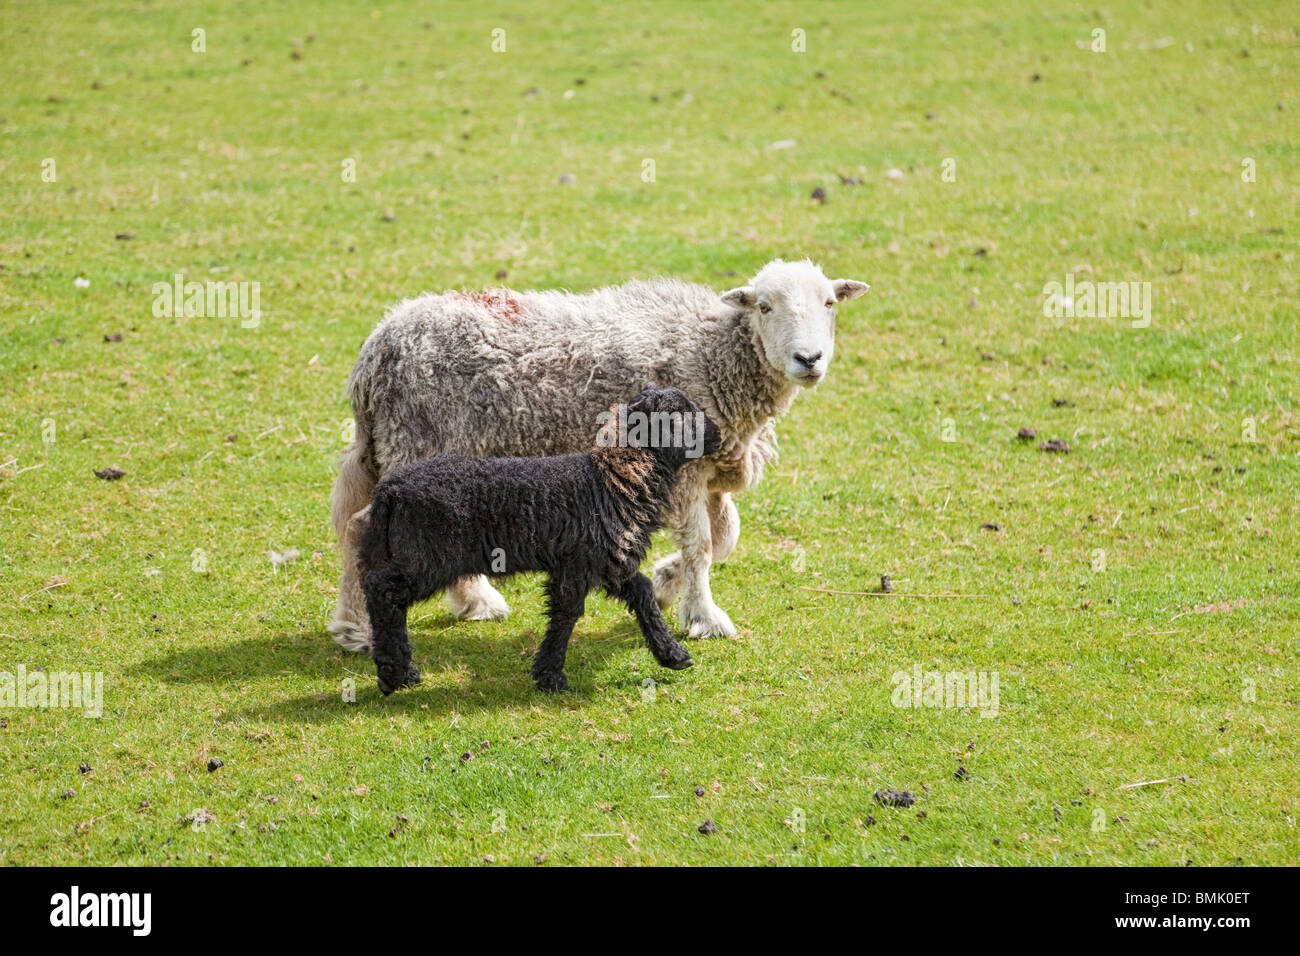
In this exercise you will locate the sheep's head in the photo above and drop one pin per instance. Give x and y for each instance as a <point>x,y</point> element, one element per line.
<point>792,307</point>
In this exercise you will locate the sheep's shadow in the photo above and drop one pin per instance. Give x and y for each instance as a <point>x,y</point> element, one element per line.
<point>465,666</point>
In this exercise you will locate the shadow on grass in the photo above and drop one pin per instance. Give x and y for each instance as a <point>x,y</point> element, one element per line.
<point>465,667</point>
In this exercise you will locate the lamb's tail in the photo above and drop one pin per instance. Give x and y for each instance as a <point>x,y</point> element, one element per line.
<point>358,473</point>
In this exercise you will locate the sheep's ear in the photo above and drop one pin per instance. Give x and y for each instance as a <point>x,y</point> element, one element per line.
<point>742,298</point>
<point>848,289</point>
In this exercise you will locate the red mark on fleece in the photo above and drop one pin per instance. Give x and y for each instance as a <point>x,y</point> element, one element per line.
<point>499,302</point>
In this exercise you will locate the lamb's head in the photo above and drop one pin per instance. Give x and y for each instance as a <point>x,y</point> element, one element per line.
<point>663,420</point>
<point>792,308</point>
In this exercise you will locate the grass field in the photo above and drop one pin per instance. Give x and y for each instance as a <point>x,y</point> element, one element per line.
<point>1137,601</point>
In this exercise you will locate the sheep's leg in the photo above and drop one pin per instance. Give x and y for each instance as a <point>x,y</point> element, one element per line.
<point>724,525</point>
<point>638,594</point>
<point>349,504</point>
<point>724,532</point>
<point>351,624</point>
<point>667,575</point>
<point>474,599</point>
<point>698,615</point>
<point>388,596</point>
<point>566,600</point>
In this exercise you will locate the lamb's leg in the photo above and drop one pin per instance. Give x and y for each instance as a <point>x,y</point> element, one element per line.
<point>638,594</point>
<point>474,599</point>
<point>566,599</point>
<point>388,596</point>
<point>698,615</point>
<point>724,532</point>
<point>351,624</point>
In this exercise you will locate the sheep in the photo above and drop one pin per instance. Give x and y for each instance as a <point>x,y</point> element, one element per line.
<point>526,373</point>
<point>585,519</point>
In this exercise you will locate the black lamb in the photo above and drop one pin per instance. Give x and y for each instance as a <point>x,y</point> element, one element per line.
<point>585,519</point>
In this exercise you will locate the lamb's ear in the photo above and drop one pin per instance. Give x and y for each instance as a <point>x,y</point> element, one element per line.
<point>742,298</point>
<point>607,435</point>
<point>641,401</point>
<point>848,289</point>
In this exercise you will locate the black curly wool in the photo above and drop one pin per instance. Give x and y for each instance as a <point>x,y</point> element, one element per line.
<point>585,519</point>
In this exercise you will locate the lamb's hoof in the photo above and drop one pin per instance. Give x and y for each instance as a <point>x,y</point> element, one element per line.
<point>677,658</point>
<point>395,678</point>
<point>351,636</point>
<point>487,605</point>
<point>667,580</point>
<point>551,682</point>
<point>706,621</point>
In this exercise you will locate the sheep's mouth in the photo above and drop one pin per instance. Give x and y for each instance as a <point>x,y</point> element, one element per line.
<point>808,378</point>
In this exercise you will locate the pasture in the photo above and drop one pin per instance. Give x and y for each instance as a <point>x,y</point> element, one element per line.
<point>1135,598</point>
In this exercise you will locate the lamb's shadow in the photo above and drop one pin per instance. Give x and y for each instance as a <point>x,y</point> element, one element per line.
<point>466,667</point>
<point>302,654</point>
<point>464,670</point>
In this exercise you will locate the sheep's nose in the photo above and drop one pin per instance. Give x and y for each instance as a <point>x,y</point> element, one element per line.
<point>806,360</point>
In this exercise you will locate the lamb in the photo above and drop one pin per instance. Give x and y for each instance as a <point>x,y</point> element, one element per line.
<point>585,519</point>
<point>526,373</point>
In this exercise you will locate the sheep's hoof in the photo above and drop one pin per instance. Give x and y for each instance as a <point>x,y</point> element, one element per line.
<point>551,682</point>
<point>351,636</point>
<point>710,621</point>
<point>485,604</point>
<point>395,679</point>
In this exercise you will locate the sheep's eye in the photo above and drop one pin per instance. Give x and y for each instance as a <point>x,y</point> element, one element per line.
<point>764,308</point>
<point>830,303</point>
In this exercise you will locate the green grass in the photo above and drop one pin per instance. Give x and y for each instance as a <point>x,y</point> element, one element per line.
<point>226,165</point>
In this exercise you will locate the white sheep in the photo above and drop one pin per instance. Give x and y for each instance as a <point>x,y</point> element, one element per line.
<point>530,373</point>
